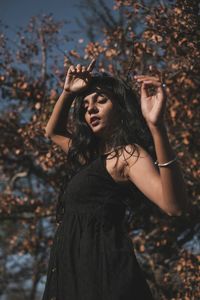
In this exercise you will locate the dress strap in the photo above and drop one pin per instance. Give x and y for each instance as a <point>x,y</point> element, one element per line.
<point>102,161</point>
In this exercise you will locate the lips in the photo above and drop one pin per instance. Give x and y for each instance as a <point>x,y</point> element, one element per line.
<point>94,119</point>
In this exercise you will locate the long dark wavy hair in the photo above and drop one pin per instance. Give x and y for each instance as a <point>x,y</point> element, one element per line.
<point>131,129</point>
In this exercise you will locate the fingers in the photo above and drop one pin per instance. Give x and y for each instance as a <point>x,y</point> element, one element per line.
<point>144,91</point>
<point>146,77</point>
<point>153,82</point>
<point>91,65</point>
<point>76,70</point>
<point>147,80</point>
<point>81,69</point>
<point>71,69</point>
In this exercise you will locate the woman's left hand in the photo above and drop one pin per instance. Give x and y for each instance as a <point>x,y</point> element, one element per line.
<point>153,107</point>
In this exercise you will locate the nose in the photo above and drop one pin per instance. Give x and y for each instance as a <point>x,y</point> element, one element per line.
<point>92,108</point>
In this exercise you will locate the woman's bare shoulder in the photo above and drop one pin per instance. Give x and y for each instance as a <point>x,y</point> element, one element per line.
<point>130,154</point>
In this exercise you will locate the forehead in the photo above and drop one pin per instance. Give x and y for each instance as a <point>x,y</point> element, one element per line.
<point>97,91</point>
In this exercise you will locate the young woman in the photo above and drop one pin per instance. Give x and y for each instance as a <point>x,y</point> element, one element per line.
<point>92,257</point>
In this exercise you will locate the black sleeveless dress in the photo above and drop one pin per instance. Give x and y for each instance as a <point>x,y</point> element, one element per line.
<point>92,256</point>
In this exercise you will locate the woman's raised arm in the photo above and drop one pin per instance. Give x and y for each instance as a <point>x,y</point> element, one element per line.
<point>56,128</point>
<point>77,80</point>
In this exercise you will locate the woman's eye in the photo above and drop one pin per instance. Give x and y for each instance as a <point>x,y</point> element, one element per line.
<point>102,100</point>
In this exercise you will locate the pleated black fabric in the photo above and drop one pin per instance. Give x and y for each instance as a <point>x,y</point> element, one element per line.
<point>92,256</point>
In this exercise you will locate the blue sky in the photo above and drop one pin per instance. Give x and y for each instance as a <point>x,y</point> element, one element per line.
<point>18,12</point>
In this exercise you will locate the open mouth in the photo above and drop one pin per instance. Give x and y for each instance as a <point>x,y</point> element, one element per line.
<point>95,122</point>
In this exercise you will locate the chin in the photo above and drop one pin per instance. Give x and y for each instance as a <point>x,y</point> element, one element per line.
<point>98,129</point>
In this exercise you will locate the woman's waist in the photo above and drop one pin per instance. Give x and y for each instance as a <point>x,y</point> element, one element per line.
<point>91,207</point>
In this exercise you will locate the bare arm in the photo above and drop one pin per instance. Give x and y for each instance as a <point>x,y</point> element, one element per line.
<point>175,197</point>
<point>56,128</point>
<point>77,79</point>
<point>166,187</point>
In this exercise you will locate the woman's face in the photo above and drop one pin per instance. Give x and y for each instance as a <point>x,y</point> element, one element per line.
<point>99,111</point>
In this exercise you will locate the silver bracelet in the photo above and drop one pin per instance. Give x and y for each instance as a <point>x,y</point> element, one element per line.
<point>165,164</point>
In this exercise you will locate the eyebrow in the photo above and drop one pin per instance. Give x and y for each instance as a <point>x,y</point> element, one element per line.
<point>85,100</point>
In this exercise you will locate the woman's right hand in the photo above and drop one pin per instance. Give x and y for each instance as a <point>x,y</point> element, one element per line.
<point>78,78</point>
